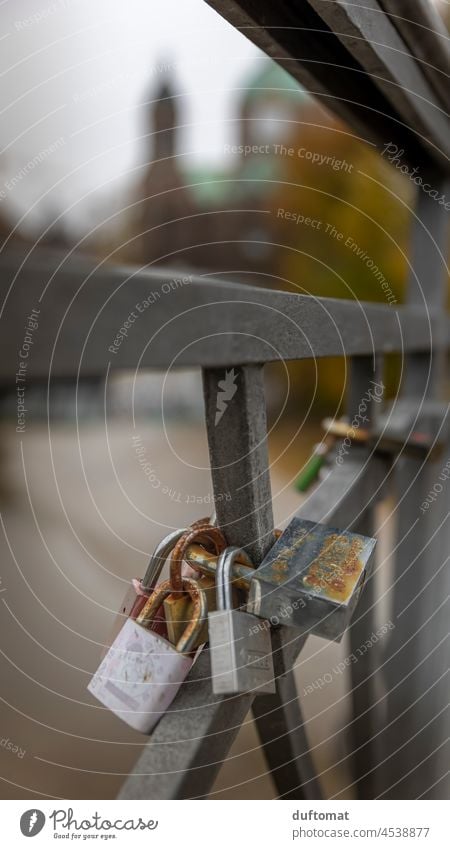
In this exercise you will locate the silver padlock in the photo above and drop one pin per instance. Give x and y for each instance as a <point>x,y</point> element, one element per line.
<point>240,644</point>
<point>142,672</point>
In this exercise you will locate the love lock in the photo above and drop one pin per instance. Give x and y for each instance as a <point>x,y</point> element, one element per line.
<point>311,578</point>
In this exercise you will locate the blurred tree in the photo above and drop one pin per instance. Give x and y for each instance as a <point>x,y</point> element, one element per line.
<point>346,228</point>
<point>343,215</point>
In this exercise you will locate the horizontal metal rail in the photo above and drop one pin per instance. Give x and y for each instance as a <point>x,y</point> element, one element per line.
<point>90,317</point>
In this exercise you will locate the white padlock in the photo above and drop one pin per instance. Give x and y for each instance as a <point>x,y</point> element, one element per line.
<point>142,672</point>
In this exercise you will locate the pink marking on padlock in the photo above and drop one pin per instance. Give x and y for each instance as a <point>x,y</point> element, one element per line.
<point>139,677</point>
<point>142,672</point>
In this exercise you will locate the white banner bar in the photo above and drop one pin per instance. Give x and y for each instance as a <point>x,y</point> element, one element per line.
<point>222,825</point>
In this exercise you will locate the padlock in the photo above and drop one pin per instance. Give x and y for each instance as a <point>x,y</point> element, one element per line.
<point>142,672</point>
<point>240,644</point>
<point>178,606</point>
<point>154,569</point>
<point>140,590</point>
<point>178,610</point>
<point>311,578</point>
<point>204,534</point>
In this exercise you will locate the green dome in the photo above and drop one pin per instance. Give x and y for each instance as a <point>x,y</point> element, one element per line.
<point>271,76</point>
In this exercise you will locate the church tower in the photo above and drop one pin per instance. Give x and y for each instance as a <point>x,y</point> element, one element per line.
<point>165,202</point>
<point>164,121</point>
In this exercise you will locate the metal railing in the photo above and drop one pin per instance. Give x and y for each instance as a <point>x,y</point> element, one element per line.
<point>381,66</point>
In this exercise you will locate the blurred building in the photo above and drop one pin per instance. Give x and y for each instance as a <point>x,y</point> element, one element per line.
<point>219,221</point>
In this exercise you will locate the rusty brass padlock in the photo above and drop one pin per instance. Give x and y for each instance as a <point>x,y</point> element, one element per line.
<point>178,606</point>
<point>179,610</point>
<point>139,590</point>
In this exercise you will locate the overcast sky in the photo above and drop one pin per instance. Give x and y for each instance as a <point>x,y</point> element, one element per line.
<point>73,73</point>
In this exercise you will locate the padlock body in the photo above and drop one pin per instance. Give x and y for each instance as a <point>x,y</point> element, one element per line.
<point>133,602</point>
<point>311,579</point>
<point>241,653</point>
<point>178,611</point>
<point>139,677</point>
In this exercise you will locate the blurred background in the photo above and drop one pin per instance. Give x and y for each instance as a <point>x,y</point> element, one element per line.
<point>151,133</point>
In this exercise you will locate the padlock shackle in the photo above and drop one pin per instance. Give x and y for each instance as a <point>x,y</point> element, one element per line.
<point>199,614</point>
<point>159,557</point>
<point>165,547</point>
<point>224,576</point>
<point>203,534</point>
<point>205,562</point>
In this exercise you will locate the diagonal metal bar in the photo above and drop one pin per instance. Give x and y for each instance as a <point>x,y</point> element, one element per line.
<point>422,28</point>
<point>368,34</point>
<point>188,746</point>
<point>284,750</point>
<point>330,66</point>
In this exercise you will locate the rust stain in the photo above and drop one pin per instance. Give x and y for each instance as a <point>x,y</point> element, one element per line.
<point>286,553</point>
<point>337,568</point>
<point>280,565</point>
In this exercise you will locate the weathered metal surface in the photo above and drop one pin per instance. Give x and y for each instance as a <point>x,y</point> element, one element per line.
<point>212,323</point>
<point>192,740</point>
<point>189,637</point>
<point>425,371</point>
<point>198,558</point>
<point>241,653</point>
<point>237,437</point>
<point>368,34</point>
<point>413,431</point>
<point>240,467</point>
<point>296,36</point>
<point>365,372</point>
<point>79,291</point>
<point>240,645</point>
<point>179,610</point>
<point>342,498</point>
<point>402,428</point>
<point>190,743</point>
<point>288,754</point>
<point>412,749</point>
<point>311,578</point>
<point>422,28</point>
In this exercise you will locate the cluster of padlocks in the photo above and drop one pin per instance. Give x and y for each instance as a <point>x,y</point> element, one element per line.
<point>310,580</point>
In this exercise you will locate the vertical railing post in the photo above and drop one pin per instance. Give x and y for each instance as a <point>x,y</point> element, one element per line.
<point>415,661</point>
<point>237,436</point>
<point>363,372</point>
